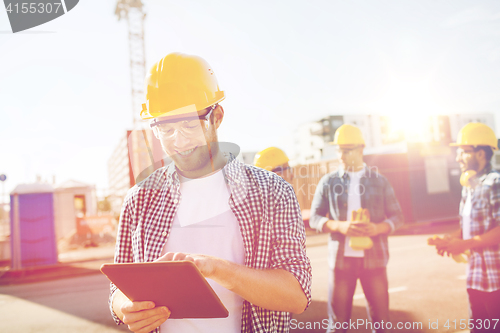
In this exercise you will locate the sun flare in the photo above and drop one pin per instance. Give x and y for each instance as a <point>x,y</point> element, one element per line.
<point>408,105</point>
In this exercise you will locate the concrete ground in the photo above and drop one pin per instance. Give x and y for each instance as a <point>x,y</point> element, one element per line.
<point>25,297</point>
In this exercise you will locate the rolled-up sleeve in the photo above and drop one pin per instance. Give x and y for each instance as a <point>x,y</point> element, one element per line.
<point>320,205</point>
<point>495,202</point>
<point>393,212</point>
<point>289,252</point>
<point>123,247</point>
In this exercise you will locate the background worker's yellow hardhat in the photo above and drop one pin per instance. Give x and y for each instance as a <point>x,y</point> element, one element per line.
<point>476,134</point>
<point>270,158</point>
<point>180,83</point>
<point>348,135</point>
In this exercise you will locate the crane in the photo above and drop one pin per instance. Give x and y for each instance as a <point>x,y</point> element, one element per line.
<point>133,12</point>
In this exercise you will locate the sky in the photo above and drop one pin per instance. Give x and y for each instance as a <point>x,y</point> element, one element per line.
<point>65,85</point>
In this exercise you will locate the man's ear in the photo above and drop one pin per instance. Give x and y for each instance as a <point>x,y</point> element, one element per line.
<point>155,132</point>
<point>218,115</point>
<point>481,155</point>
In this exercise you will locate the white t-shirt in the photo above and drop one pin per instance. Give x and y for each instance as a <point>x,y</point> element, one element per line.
<point>353,203</point>
<point>205,224</point>
<point>466,212</point>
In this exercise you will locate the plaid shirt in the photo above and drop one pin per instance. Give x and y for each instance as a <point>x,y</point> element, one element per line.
<point>268,214</point>
<point>483,272</point>
<point>377,195</point>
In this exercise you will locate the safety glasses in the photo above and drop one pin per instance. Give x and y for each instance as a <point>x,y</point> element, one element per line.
<point>188,126</point>
<point>461,152</point>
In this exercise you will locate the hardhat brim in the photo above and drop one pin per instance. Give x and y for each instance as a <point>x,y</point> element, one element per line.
<point>454,144</point>
<point>333,143</point>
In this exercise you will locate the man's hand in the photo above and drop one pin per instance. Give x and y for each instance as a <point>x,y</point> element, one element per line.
<point>449,244</point>
<point>452,246</point>
<point>206,264</point>
<point>140,317</point>
<point>356,228</point>
<point>371,229</point>
<point>273,289</point>
<point>347,228</point>
<point>440,243</point>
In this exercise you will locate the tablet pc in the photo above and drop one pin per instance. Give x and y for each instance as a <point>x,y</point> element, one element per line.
<point>177,285</point>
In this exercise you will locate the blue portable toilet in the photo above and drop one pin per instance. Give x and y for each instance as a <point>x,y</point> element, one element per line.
<point>33,241</point>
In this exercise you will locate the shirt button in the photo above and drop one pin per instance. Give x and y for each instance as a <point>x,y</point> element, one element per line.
<point>164,234</point>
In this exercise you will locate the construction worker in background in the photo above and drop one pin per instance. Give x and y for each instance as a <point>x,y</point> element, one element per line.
<point>208,208</point>
<point>275,160</point>
<point>357,206</point>
<point>480,225</point>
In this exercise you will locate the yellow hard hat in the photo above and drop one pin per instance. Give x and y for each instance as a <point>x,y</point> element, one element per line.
<point>476,134</point>
<point>180,83</point>
<point>348,135</point>
<point>270,158</point>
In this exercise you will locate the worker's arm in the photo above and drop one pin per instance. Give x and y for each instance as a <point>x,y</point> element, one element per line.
<point>457,245</point>
<point>392,209</point>
<point>272,289</point>
<point>320,206</point>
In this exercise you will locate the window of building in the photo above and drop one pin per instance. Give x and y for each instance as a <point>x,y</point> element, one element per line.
<point>436,175</point>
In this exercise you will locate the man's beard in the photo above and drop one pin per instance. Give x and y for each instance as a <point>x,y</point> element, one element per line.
<point>472,164</point>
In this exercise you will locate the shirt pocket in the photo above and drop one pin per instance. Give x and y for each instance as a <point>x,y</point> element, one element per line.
<point>375,203</point>
<point>480,204</point>
<point>479,211</point>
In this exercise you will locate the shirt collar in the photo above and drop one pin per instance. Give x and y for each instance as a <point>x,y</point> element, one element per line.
<point>483,173</point>
<point>343,172</point>
<point>232,171</point>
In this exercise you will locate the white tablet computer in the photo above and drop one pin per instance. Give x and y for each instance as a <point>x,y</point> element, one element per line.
<point>177,285</point>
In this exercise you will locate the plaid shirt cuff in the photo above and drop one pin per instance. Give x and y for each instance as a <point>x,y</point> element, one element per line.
<point>321,223</point>
<point>113,314</point>
<point>391,224</point>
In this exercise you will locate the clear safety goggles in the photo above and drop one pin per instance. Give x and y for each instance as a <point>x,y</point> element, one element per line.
<point>281,169</point>
<point>189,126</point>
<point>461,151</point>
<point>346,150</point>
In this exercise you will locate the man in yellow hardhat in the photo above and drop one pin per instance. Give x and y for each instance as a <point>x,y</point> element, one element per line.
<point>480,224</point>
<point>240,225</point>
<point>358,247</point>
<point>275,160</point>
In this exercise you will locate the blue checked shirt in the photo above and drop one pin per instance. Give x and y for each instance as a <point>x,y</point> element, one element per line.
<point>483,271</point>
<point>270,222</point>
<point>377,195</point>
